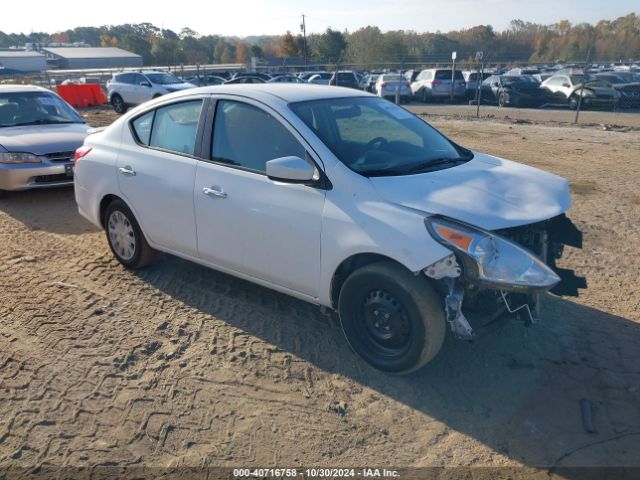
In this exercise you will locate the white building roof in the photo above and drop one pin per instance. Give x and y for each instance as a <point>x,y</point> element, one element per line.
<point>92,52</point>
<point>19,54</point>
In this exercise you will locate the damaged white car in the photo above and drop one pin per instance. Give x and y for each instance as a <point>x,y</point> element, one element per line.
<point>338,198</point>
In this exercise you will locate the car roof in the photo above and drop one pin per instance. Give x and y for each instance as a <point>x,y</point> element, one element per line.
<point>12,88</point>
<point>287,92</point>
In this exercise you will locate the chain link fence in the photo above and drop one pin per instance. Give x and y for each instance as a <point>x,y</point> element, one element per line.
<point>621,112</point>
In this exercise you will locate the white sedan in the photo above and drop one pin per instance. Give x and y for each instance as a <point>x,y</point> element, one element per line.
<point>333,196</point>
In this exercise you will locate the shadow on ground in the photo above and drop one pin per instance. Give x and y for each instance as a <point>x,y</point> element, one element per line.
<point>52,210</point>
<point>515,389</point>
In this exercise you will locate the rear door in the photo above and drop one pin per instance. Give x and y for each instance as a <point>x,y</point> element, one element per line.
<point>247,223</point>
<point>156,171</point>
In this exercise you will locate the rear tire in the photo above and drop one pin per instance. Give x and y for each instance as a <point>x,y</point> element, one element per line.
<point>4,194</point>
<point>118,104</point>
<point>393,319</point>
<point>125,238</point>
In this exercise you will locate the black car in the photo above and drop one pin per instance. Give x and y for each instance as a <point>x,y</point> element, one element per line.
<point>264,76</point>
<point>345,78</point>
<point>513,91</point>
<point>629,90</point>
<point>245,79</point>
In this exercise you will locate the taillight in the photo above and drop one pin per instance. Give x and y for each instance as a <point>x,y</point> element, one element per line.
<point>436,84</point>
<point>383,85</point>
<point>79,153</point>
<point>407,84</point>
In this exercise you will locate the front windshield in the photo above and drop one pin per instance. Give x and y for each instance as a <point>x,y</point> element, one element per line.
<point>163,78</point>
<point>375,137</point>
<point>34,108</point>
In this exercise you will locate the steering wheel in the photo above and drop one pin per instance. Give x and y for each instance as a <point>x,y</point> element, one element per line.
<point>381,141</point>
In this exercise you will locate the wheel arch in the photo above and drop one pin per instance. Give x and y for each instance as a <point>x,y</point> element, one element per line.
<point>104,204</point>
<point>350,265</point>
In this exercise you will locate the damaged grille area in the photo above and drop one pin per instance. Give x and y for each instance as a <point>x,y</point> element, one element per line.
<point>547,240</point>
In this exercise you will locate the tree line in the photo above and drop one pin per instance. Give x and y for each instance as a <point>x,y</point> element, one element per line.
<point>608,40</point>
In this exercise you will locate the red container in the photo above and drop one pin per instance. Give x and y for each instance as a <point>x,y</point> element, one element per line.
<point>83,95</point>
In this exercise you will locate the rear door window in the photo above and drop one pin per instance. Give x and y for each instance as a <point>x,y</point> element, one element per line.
<point>172,127</point>
<point>175,127</point>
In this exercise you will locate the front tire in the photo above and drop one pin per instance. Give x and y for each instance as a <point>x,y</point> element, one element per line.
<point>393,319</point>
<point>125,237</point>
<point>502,100</point>
<point>118,104</point>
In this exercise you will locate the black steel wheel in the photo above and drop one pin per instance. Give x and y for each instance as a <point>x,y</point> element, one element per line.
<point>393,319</point>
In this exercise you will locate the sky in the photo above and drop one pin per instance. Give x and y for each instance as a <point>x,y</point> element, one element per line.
<point>255,17</point>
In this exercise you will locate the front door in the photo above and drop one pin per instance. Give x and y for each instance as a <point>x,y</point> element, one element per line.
<point>247,223</point>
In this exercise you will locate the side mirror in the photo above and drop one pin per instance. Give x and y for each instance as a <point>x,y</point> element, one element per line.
<point>566,85</point>
<point>144,83</point>
<point>291,170</point>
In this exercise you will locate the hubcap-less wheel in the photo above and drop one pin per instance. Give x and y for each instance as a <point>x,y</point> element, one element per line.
<point>121,235</point>
<point>385,323</point>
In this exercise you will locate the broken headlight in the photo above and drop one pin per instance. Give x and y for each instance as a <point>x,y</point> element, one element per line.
<point>492,259</point>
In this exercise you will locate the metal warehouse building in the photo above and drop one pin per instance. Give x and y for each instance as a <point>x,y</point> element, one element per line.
<point>22,61</point>
<point>84,58</point>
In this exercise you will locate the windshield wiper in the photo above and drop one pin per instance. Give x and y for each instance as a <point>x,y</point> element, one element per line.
<point>436,162</point>
<point>382,172</point>
<point>43,122</point>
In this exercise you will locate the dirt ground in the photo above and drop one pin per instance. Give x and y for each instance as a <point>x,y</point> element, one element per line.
<point>180,365</point>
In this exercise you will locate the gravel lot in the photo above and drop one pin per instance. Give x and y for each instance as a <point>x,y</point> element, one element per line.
<point>180,365</point>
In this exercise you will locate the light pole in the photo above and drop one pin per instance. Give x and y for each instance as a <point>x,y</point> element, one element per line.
<point>303,28</point>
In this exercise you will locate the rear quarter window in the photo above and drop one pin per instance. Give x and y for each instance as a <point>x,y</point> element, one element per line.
<point>446,75</point>
<point>142,127</point>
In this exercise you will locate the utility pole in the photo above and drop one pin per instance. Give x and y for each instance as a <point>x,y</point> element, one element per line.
<point>303,28</point>
<point>584,81</point>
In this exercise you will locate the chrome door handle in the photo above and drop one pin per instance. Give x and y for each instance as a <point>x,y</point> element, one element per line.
<point>215,192</point>
<point>127,171</point>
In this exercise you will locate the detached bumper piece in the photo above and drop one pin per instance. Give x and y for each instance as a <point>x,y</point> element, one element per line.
<point>562,231</point>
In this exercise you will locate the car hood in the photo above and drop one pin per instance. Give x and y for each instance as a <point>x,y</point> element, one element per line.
<point>487,192</point>
<point>43,139</point>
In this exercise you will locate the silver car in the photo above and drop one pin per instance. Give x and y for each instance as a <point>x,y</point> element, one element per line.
<point>386,86</point>
<point>39,133</point>
<point>435,83</point>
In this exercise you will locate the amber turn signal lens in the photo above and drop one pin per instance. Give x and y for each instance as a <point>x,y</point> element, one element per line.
<point>457,238</point>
